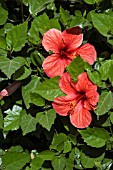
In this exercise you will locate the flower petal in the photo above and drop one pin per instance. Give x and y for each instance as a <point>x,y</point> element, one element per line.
<point>80,117</point>
<point>92,99</point>
<point>84,84</point>
<point>52,40</point>
<point>87,52</point>
<point>66,84</point>
<point>63,105</point>
<point>72,38</point>
<point>53,65</point>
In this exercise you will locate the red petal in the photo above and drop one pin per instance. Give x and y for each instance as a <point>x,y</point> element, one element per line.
<point>52,40</point>
<point>87,52</point>
<point>81,117</point>
<point>84,84</point>
<point>72,38</point>
<point>53,65</point>
<point>92,99</point>
<point>63,105</point>
<point>66,84</point>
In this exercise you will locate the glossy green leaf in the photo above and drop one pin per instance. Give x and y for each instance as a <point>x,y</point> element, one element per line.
<point>28,124</point>
<point>36,163</point>
<point>105,103</point>
<point>67,146</point>
<point>16,149</point>
<point>16,37</point>
<point>12,120</point>
<point>37,6</point>
<point>95,137</point>
<point>29,88</point>
<point>106,70</point>
<point>8,67</point>
<point>46,155</point>
<point>76,67</point>
<point>14,160</point>
<point>46,119</point>
<point>58,163</point>
<point>99,22</point>
<point>3,15</point>
<point>95,77</point>
<point>37,99</point>
<point>26,73</point>
<point>49,89</point>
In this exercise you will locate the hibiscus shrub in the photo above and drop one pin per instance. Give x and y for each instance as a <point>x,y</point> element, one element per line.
<point>56,84</point>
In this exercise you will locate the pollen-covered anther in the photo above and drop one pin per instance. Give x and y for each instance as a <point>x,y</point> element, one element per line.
<point>74,55</point>
<point>72,105</point>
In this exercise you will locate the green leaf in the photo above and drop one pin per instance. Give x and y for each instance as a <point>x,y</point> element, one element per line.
<point>36,163</point>
<point>67,146</point>
<point>12,120</point>
<point>46,155</point>
<point>28,124</point>
<point>105,103</point>
<point>8,67</point>
<point>29,88</point>
<point>99,22</point>
<point>65,16</point>
<point>16,37</point>
<point>37,99</point>
<point>14,160</point>
<point>95,137</point>
<point>3,15</point>
<point>1,119</point>
<point>76,67</point>
<point>111,117</point>
<point>58,141</point>
<point>92,1</point>
<point>95,77</point>
<point>26,73</point>
<point>86,161</point>
<point>46,119</point>
<point>106,70</point>
<point>17,148</point>
<point>58,163</point>
<point>41,24</point>
<point>49,89</point>
<point>77,19</point>
<point>2,43</point>
<point>37,6</point>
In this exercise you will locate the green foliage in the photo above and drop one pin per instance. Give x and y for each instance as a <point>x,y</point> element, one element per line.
<point>105,103</point>
<point>16,37</point>
<point>28,124</point>
<point>95,137</point>
<point>12,120</point>
<point>46,119</point>
<point>8,67</point>
<point>76,67</point>
<point>3,15</point>
<point>32,135</point>
<point>15,161</point>
<point>49,89</point>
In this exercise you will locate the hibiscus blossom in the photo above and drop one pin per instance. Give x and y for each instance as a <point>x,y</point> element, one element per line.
<point>82,96</point>
<point>65,46</point>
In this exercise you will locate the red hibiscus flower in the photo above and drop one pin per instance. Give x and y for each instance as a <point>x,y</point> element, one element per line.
<point>65,45</point>
<point>82,96</point>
